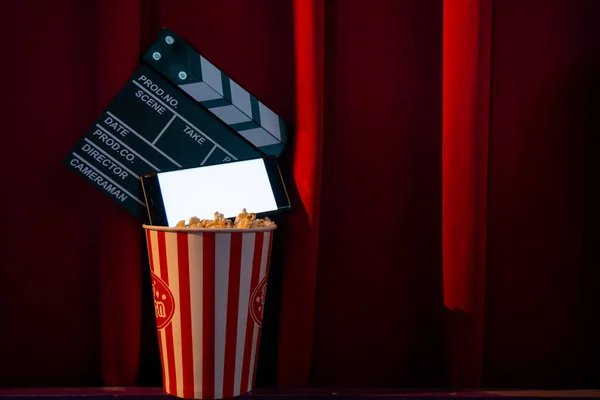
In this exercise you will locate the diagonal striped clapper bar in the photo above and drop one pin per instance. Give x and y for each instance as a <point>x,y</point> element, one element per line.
<point>221,95</point>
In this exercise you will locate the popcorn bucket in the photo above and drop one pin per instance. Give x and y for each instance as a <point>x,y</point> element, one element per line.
<point>209,289</point>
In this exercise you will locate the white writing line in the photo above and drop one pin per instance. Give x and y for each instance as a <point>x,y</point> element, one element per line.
<point>164,129</point>
<point>144,139</point>
<point>106,177</point>
<point>208,155</point>
<point>107,155</point>
<point>128,148</point>
<point>185,120</point>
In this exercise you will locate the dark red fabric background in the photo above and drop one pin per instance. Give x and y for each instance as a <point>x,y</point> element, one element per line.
<point>378,316</point>
<point>542,283</point>
<point>443,231</point>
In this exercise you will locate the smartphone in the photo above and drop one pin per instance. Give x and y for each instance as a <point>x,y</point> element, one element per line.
<point>256,185</point>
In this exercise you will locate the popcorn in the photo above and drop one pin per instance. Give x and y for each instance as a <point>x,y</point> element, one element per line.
<point>244,220</point>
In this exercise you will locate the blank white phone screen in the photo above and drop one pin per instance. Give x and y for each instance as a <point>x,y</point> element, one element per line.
<point>226,188</point>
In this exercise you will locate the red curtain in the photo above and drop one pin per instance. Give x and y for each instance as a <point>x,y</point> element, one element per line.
<point>467,45</point>
<point>443,223</point>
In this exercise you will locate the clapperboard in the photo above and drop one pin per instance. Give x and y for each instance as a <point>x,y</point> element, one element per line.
<point>177,111</point>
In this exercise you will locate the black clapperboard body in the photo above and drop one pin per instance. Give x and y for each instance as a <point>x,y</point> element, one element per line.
<point>176,111</point>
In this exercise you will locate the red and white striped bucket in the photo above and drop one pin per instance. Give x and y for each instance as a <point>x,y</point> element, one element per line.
<point>209,290</point>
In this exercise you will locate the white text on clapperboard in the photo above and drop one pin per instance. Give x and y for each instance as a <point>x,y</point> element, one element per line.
<point>112,143</point>
<point>194,135</point>
<point>113,159</point>
<point>153,104</point>
<point>115,168</point>
<point>94,177</point>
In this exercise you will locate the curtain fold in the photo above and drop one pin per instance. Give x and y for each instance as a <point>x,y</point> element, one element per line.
<point>301,243</point>
<point>467,37</point>
<point>120,258</point>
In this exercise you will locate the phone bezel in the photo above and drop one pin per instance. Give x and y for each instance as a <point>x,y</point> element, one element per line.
<point>157,215</point>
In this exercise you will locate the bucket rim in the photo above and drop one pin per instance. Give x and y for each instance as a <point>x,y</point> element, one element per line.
<point>207,230</point>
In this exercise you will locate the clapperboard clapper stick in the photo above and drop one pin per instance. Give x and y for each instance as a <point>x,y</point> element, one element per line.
<point>176,111</point>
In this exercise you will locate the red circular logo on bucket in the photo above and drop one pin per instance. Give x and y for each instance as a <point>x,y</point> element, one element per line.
<point>257,301</point>
<point>164,303</point>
